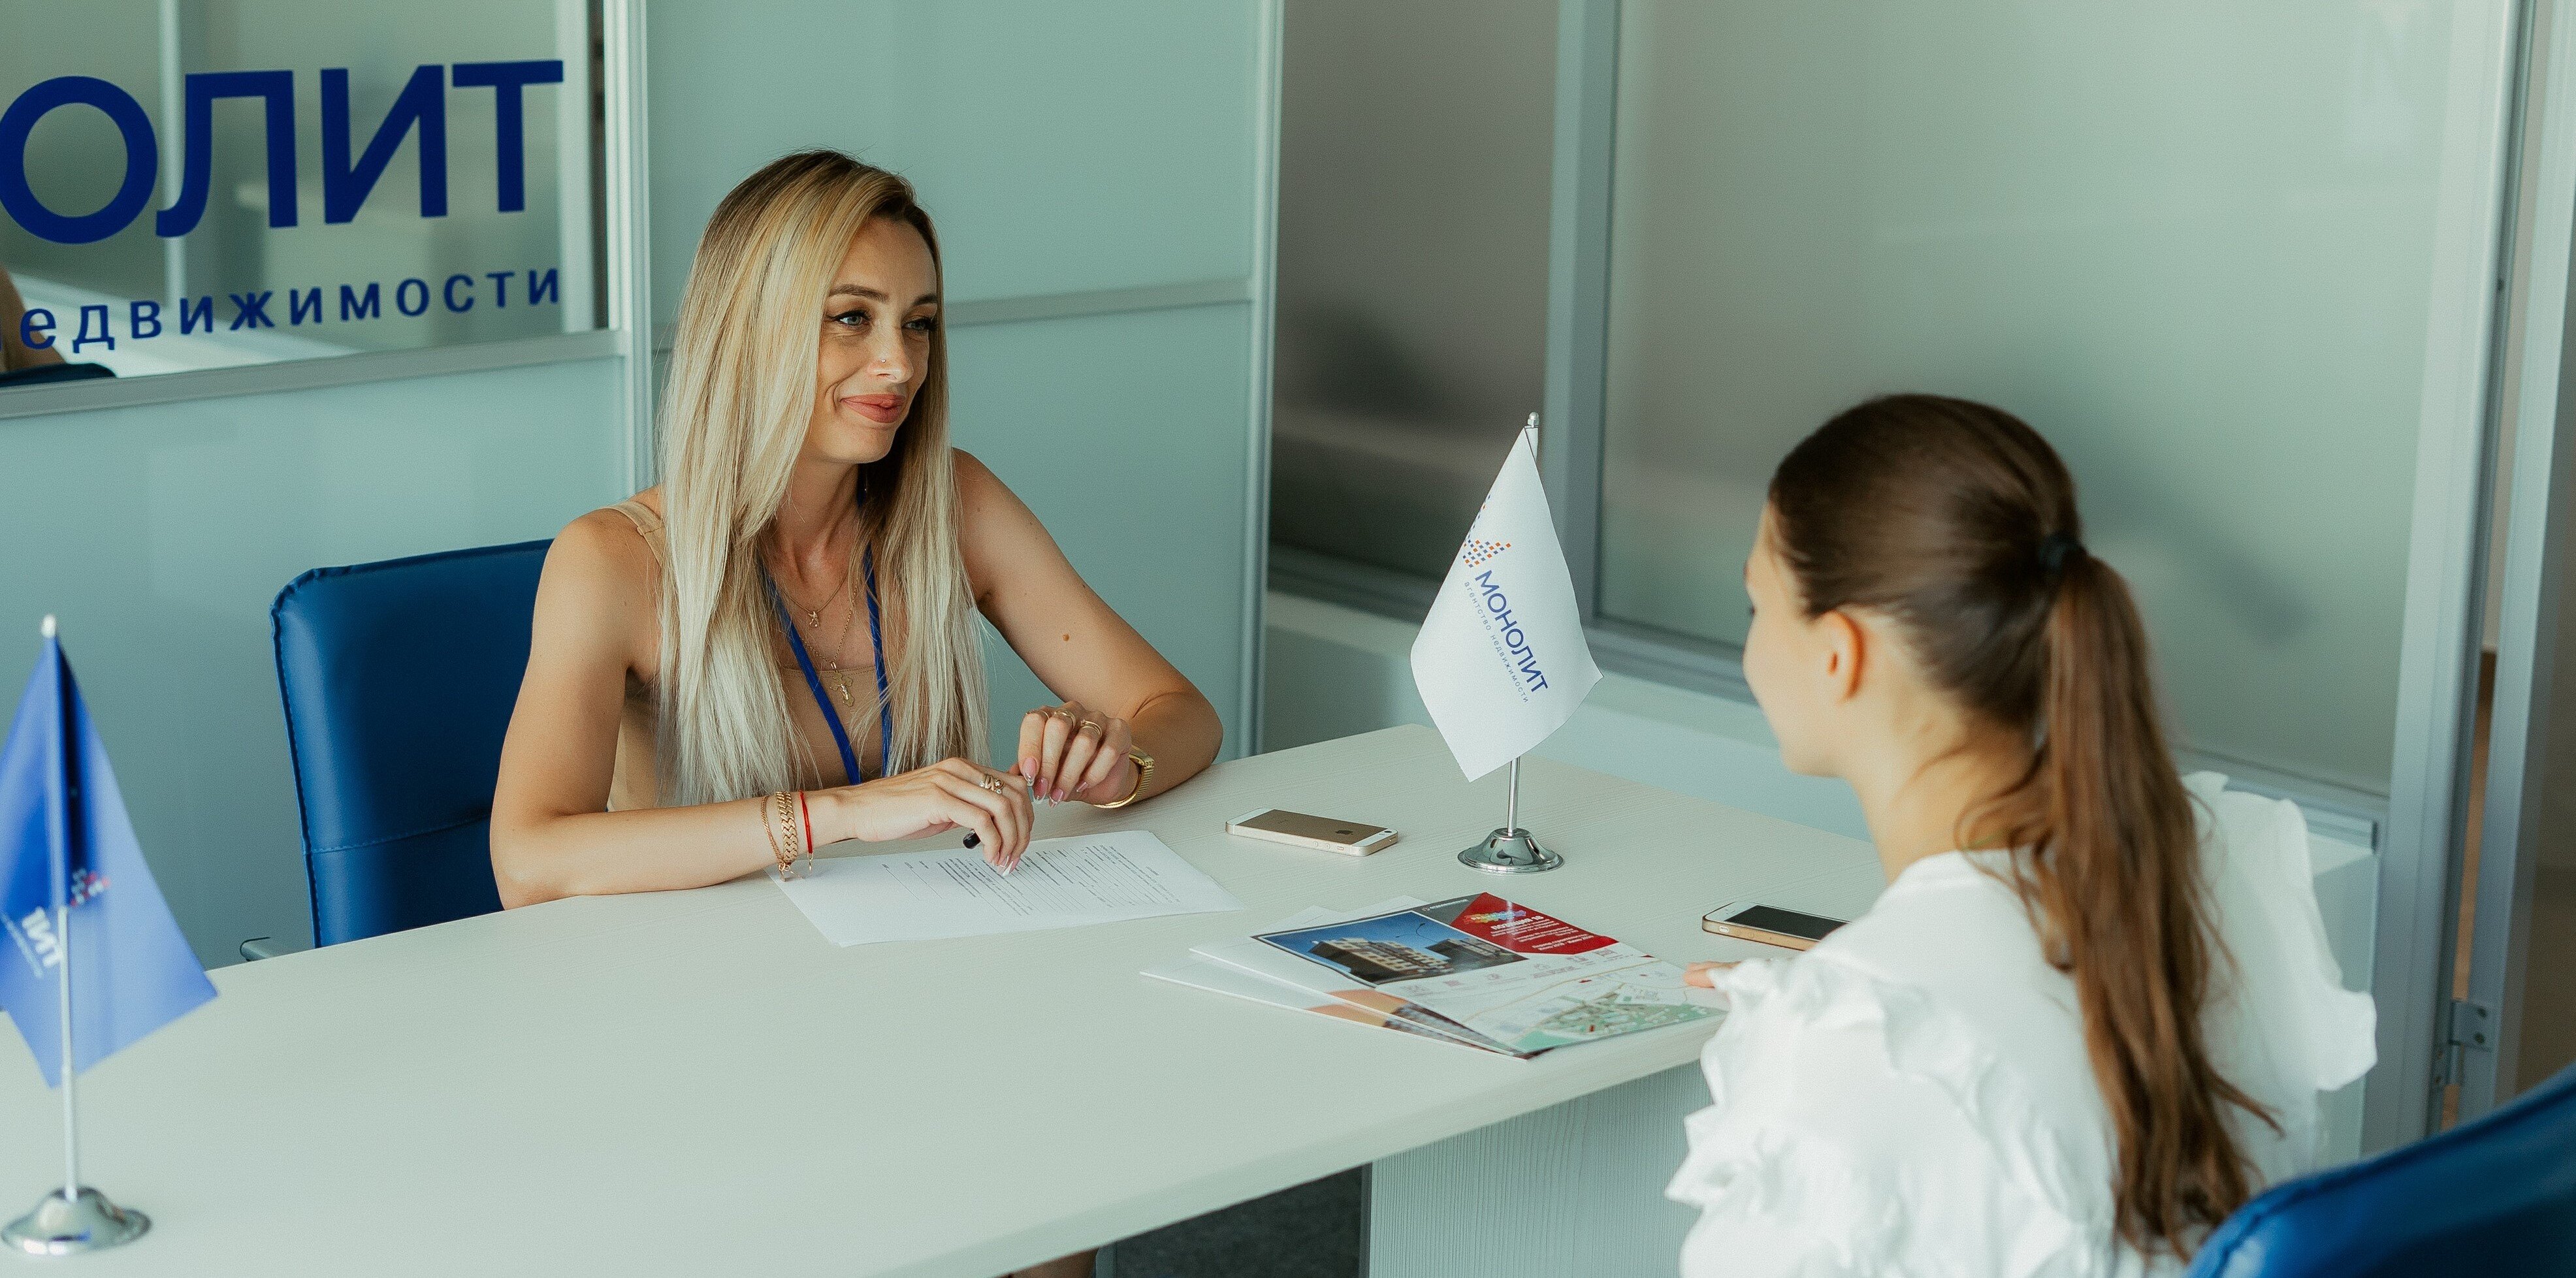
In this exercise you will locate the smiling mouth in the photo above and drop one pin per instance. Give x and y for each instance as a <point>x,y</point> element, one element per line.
<point>879,408</point>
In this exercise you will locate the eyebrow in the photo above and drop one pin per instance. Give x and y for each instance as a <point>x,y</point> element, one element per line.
<point>875,295</point>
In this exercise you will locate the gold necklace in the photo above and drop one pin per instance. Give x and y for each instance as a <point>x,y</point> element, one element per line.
<point>832,667</point>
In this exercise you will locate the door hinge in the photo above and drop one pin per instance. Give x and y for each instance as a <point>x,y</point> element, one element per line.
<point>2467,1027</point>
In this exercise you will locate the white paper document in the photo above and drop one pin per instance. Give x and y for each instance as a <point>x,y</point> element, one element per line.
<point>1069,882</point>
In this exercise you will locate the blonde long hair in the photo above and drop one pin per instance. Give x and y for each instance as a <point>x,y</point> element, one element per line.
<point>734,415</point>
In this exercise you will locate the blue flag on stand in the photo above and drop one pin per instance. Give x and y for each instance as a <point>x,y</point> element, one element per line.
<point>64,837</point>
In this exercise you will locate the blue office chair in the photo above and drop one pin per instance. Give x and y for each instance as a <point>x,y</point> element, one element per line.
<point>398,679</point>
<point>2496,1196</point>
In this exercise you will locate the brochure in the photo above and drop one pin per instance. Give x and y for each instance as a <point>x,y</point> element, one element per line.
<point>1251,956</point>
<point>1363,1007</point>
<point>1512,978</point>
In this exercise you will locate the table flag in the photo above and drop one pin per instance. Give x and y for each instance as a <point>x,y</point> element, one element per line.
<point>1501,661</point>
<point>64,833</point>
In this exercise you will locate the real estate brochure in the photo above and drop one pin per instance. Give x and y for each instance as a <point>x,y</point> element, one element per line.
<point>1250,955</point>
<point>1362,1007</point>
<point>1517,980</point>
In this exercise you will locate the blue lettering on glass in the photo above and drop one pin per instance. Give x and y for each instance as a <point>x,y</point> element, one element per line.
<point>422,103</point>
<point>349,175</point>
<point>142,156</point>
<point>250,312</point>
<point>36,327</point>
<point>204,89</point>
<point>509,118</point>
<point>93,330</point>
<point>500,288</point>
<point>1514,638</point>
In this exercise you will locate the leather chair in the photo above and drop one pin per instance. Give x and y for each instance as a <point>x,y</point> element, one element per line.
<point>2495,1196</point>
<point>399,678</point>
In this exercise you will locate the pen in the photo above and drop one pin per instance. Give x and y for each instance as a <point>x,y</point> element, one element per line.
<point>974,840</point>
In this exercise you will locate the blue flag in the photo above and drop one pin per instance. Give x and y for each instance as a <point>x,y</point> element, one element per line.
<point>65,842</point>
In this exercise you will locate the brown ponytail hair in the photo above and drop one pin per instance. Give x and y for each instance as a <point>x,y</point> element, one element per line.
<point>1957,522</point>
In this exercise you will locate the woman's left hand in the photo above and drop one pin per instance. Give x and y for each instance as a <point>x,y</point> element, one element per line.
<point>1070,751</point>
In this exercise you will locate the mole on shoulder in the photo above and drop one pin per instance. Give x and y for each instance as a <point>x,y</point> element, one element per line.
<point>1068,638</point>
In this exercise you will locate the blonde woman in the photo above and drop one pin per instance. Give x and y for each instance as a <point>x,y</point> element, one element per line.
<point>777,648</point>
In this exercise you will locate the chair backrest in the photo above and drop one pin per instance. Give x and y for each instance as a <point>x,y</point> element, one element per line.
<point>399,678</point>
<point>2496,1196</point>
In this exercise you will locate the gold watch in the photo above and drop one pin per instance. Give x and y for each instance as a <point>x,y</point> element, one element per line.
<point>1144,772</point>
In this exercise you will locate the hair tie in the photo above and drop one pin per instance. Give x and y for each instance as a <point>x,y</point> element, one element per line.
<point>2053,550</point>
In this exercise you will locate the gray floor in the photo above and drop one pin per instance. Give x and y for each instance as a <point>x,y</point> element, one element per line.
<point>1316,1230</point>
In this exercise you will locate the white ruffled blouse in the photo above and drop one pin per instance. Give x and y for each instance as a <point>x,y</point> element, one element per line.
<point>1912,1096</point>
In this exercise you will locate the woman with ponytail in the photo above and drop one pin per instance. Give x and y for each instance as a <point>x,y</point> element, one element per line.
<point>2092,1012</point>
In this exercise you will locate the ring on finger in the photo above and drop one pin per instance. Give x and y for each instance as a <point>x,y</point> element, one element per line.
<point>1059,712</point>
<point>1090,725</point>
<point>990,782</point>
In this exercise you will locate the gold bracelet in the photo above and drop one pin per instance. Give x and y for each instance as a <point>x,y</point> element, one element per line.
<point>1144,772</point>
<point>768,830</point>
<point>780,821</point>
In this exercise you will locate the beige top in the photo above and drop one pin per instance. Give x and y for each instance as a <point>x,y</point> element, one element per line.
<point>635,782</point>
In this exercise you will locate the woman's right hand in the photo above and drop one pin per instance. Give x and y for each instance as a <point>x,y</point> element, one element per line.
<point>944,796</point>
<point>1703,975</point>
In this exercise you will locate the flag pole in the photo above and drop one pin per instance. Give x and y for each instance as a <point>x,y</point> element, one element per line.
<point>75,1220</point>
<point>71,1075</point>
<point>1511,850</point>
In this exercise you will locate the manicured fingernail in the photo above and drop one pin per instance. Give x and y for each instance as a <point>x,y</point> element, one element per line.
<point>1029,769</point>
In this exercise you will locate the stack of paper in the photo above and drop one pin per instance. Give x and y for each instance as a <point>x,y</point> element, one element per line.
<point>1477,971</point>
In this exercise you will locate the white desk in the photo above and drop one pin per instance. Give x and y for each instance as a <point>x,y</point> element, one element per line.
<point>696,1083</point>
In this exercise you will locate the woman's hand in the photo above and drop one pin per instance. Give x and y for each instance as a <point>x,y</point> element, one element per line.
<point>944,796</point>
<point>1703,975</point>
<point>1072,752</point>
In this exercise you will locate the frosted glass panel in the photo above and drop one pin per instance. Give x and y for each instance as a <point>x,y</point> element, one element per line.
<point>1149,505</point>
<point>2192,243</point>
<point>1062,148</point>
<point>1413,204</point>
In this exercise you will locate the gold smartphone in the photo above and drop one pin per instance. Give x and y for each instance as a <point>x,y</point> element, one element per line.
<point>1768,924</point>
<point>1297,829</point>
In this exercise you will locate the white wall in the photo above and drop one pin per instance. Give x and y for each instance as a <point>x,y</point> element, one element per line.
<point>161,533</point>
<point>1334,671</point>
<point>1098,159</point>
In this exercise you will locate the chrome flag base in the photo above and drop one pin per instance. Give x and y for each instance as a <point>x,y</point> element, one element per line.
<point>67,1227</point>
<point>1509,851</point>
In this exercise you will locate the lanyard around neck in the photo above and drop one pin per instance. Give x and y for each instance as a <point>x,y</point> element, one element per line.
<point>814,682</point>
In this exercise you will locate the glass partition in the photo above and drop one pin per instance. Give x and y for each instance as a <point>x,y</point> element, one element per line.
<point>1413,206</point>
<point>210,183</point>
<point>2192,243</point>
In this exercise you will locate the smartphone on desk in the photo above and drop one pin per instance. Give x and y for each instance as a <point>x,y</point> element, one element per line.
<point>1769,924</point>
<point>1297,829</point>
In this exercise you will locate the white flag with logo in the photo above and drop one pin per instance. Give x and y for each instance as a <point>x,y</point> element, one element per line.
<point>1501,661</point>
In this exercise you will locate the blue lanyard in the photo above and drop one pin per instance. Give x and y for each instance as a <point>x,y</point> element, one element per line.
<point>814,682</point>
